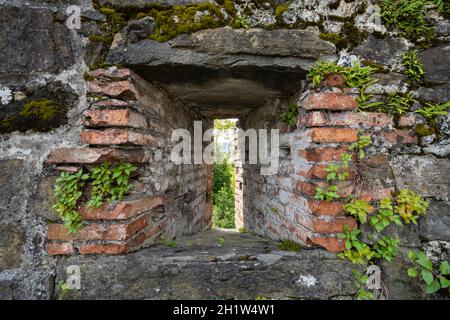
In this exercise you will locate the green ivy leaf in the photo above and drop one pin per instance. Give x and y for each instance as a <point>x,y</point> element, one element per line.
<point>444,268</point>
<point>412,273</point>
<point>427,276</point>
<point>433,287</point>
<point>445,283</point>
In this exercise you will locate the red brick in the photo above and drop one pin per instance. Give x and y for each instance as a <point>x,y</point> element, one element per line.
<point>107,248</point>
<point>346,119</point>
<point>120,89</point>
<point>329,135</point>
<point>329,101</point>
<point>325,224</point>
<point>111,73</point>
<point>334,80</point>
<point>121,210</point>
<point>116,137</point>
<point>312,119</point>
<point>309,188</point>
<point>331,244</point>
<point>114,118</point>
<point>95,156</point>
<point>399,137</point>
<point>323,154</point>
<point>111,103</point>
<point>318,207</point>
<point>319,171</point>
<point>97,231</point>
<point>59,248</point>
<point>147,234</point>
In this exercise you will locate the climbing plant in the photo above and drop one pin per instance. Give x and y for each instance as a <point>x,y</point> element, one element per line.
<point>434,278</point>
<point>68,191</point>
<point>357,76</point>
<point>368,246</point>
<point>414,68</point>
<point>290,116</point>
<point>107,184</point>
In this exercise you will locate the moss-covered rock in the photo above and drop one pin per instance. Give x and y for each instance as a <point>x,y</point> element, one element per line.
<point>43,109</point>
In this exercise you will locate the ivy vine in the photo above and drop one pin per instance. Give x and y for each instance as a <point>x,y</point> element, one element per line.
<point>368,247</point>
<point>108,183</point>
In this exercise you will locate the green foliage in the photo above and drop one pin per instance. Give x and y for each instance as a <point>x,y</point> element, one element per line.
<point>261,298</point>
<point>363,142</point>
<point>414,68</point>
<point>224,124</point>
<point>187,19</point>
<point>68,192</point>
<point>288,245</point>
<point>323,68</point>
<point>356,251</point>
<point>169,243</point>
<point>356,77</point>
<point>223,174</point>
<point>63,288</point>
<point>290,116</point>
<point>410,206</point>
<point>242,230</point>
<point>409,17</point>
<point>339,171</point>
<point>434,279</point>
<point>359,209</point>
<point>223,195</point>
<point>397,104</point>
<point>44,109</point>
<point>111,183</point>
<point>221,240</point>
<point>386,248</point>
<point>329,194</point>
<point>223,209</point>
<point>360,282</point>
<point>430,111</point>
<point>241,22</point>
<point>108,183</point>
<point>385,216</point>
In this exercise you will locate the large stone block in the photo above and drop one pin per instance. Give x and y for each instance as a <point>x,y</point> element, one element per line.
<point>426,175</point>
<point>436,223</point>
<point>42,199</point>
<point>436,63</point>
<point>12,239</point>
<point>12,186</point>
<point>31,41</point>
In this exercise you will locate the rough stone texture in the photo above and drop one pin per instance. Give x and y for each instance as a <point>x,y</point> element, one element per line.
<point>243,267</point>
<point>398,285</point>
<point>426,175</point>
<point>11,241</point>
<point>232,73</point>
<point>385,51</point>
<point>436,63</point>
<point>436,224</point>
<point>52,50</point>
<point>42,200</point>
<point>202,68</point>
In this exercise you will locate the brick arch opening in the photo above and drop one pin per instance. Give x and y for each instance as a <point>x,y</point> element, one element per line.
<point>131,118</point>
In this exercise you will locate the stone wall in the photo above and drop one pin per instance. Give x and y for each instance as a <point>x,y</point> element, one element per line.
<point>253,71</point>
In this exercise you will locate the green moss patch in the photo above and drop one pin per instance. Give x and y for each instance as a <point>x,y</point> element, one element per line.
<point>288,245</point>
<point>41,115</point>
